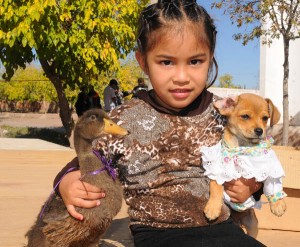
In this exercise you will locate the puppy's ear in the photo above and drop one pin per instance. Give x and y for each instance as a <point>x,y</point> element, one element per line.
<point>225,106</point>
<point>274,113</point>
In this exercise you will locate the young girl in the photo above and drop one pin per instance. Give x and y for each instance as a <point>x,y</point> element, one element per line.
<point>159,161</point>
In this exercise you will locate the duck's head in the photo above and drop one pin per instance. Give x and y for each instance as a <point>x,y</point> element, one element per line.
<point>94,123</point>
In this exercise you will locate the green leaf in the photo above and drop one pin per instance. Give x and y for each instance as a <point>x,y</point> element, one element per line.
<point>24,41</point>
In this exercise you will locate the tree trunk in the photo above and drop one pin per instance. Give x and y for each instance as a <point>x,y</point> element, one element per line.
<point>65,112</point>
<point>285,102</point>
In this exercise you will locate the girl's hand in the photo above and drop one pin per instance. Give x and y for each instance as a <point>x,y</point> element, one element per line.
<point>240,190</point>
<point>77,193</point>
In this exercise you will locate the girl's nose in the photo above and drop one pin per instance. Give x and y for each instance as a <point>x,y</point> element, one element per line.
<point>181,74</point>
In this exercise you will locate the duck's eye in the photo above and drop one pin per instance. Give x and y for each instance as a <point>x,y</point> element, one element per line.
<point>265,119</point>
<point>93,117</point>
<point>245,116</point>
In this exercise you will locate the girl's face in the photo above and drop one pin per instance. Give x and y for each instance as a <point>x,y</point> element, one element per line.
<point>178,68</point>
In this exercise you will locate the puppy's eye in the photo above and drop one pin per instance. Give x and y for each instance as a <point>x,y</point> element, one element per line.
<point>265,119</point>
<point>245,116</point>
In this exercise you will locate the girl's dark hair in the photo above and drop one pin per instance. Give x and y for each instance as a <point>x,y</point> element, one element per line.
<point>164,12</point>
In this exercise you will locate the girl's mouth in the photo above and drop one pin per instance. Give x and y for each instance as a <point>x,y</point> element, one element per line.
<point>180,93</point>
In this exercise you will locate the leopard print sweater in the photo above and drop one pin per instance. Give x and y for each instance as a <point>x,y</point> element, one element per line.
<point>160,165</point>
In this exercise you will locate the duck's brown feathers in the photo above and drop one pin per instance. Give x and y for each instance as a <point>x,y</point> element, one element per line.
<point>56,227</point>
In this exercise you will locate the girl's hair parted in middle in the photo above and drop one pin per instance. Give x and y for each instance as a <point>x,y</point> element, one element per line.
<point>166,14</point>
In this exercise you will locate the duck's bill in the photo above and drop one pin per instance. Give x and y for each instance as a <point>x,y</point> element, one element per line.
<point>112,128</point>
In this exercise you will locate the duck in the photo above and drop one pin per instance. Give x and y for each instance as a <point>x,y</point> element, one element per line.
<point>54,226</point>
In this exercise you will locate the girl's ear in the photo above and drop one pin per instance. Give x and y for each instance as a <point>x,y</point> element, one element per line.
<point>142,61</point>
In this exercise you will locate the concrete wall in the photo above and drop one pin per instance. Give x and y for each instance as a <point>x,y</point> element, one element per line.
<point>271,74</point>
<point>227,92</point>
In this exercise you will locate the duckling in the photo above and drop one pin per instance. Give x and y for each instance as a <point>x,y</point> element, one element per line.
<point>54,226</point>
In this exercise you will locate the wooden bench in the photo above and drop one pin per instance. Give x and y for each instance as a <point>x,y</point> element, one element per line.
<point>290,221</point>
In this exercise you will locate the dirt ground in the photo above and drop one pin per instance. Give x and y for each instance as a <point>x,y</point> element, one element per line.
<point>48,120</point>
<point>47,127</point>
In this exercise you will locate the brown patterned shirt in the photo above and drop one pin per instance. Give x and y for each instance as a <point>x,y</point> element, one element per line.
<point>160,161</point>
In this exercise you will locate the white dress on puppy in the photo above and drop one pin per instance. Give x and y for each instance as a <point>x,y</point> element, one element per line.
<point>224,164</point>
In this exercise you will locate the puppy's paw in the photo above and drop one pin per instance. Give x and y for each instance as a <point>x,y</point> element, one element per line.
<point>278,208</point>
<point>212,209</point>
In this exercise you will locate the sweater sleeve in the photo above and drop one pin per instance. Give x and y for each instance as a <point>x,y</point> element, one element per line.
<point>73,165</point>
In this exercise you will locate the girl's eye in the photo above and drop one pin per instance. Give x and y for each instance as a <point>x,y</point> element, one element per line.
<point>166,62</point>
<point>195,61</point>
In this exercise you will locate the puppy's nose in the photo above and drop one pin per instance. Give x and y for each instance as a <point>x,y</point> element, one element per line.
<point>258,131</point>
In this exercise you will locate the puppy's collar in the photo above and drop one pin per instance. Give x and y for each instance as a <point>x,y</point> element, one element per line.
<point>262,148</point>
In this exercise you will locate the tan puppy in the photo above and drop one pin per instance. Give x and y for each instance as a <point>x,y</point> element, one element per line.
<point>244,138</point>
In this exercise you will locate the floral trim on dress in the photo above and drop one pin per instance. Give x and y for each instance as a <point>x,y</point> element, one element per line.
<point>224,164</point>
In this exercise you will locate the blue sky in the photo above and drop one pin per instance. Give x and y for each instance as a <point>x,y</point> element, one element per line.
<point>242,62</point>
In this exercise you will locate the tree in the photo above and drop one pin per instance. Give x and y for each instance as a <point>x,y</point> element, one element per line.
<point>129,74</point>
<point>270,19</point>
<point>30,84</point>
<point>73,40</point>
<point>225,81</point>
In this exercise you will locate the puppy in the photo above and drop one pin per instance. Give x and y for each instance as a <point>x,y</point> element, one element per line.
<point>244,152</point>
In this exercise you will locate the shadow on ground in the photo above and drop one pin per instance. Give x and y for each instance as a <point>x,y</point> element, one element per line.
<point>54,135</point>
